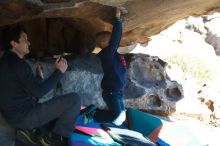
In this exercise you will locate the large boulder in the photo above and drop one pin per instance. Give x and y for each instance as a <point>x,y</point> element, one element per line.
<point>148,85</point>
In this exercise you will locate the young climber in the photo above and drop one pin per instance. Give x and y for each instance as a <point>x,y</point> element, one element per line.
<point>114,68</point>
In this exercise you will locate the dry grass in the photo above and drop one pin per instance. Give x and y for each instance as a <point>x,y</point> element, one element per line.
<point>195,67</point>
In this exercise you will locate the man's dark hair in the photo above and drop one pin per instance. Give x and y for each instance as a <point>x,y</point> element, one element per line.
<point>12,34</point>
<point>103,33</point>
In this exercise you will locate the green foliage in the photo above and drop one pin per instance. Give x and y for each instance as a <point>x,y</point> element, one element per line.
<point>196,67</point>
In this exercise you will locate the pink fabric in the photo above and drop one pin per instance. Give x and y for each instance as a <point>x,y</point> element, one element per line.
<point>87,130</point>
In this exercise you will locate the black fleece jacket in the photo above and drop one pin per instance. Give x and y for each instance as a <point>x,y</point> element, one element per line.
<point>20,89</point>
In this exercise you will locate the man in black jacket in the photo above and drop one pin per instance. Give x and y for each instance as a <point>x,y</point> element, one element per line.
<point>20,91</point>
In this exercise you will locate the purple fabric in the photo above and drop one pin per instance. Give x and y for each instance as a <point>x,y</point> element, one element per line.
<point>78,143</point>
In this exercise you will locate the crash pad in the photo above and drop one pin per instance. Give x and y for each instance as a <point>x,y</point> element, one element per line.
<point>163,132</point>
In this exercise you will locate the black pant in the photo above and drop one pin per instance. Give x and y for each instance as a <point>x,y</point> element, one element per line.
<point>63,110</point>
<point>115,106</point>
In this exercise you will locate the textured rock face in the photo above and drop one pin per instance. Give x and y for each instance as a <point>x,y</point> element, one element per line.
<point>213,32</point>
<point>84,18</point>
<point>148,86</point>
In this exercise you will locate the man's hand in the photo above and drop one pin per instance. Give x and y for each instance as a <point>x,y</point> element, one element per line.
<point>39,71</point>
<point>118,13</point>
<point>61,64</point>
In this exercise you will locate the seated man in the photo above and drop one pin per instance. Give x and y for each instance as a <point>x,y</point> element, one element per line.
<point>21,90</point>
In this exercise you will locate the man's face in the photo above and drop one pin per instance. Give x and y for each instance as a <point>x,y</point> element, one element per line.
<point>22,46</point>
